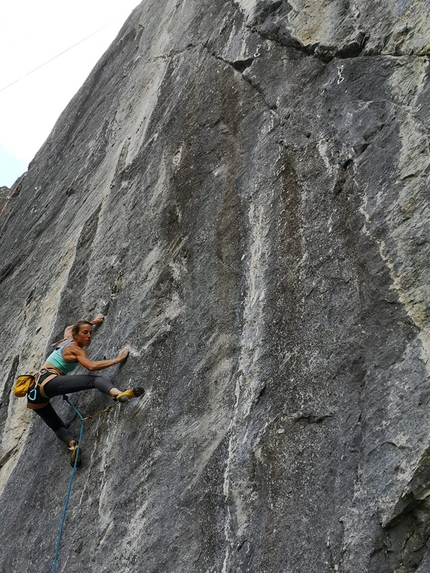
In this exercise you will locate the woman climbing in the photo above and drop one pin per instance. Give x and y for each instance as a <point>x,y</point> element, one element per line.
<point>54,379</point>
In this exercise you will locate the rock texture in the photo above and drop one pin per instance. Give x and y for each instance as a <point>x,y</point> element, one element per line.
<point>4,193</point>
<point>242,186</point>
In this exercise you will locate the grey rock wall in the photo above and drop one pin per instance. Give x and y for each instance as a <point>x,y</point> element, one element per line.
<point>4,193</point>
<point>242,187</point>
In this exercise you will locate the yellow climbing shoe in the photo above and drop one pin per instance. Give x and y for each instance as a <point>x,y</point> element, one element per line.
<point>76,451</point>
<point>129,394</point>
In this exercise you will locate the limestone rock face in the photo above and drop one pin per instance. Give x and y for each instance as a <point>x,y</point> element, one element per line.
<point>242,188</point>
<point>4,192</point>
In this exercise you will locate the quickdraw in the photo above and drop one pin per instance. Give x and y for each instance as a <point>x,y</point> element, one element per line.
<point>100,412</point>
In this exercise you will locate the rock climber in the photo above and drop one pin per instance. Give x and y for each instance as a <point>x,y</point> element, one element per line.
<point>54,379</point>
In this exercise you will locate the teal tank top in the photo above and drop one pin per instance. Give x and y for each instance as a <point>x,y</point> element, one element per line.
<point>57,360</point>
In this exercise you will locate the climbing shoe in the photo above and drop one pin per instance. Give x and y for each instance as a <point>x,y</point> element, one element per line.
<point>129,394</point>
<point>75,452</point>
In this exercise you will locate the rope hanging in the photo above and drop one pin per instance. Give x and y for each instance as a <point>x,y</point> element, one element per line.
<point>69,491</point>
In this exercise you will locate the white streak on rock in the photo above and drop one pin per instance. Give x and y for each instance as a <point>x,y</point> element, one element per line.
<point>247,7</point>
<point>249,377</point>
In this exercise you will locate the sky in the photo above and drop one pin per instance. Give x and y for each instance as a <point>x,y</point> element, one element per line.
<point>32,33</point>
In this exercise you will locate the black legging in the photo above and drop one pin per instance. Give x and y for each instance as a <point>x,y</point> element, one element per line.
<point>76,383</point>
<point>61,385</point>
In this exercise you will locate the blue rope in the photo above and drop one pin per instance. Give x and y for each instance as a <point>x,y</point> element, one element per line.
<point>63,519</point>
